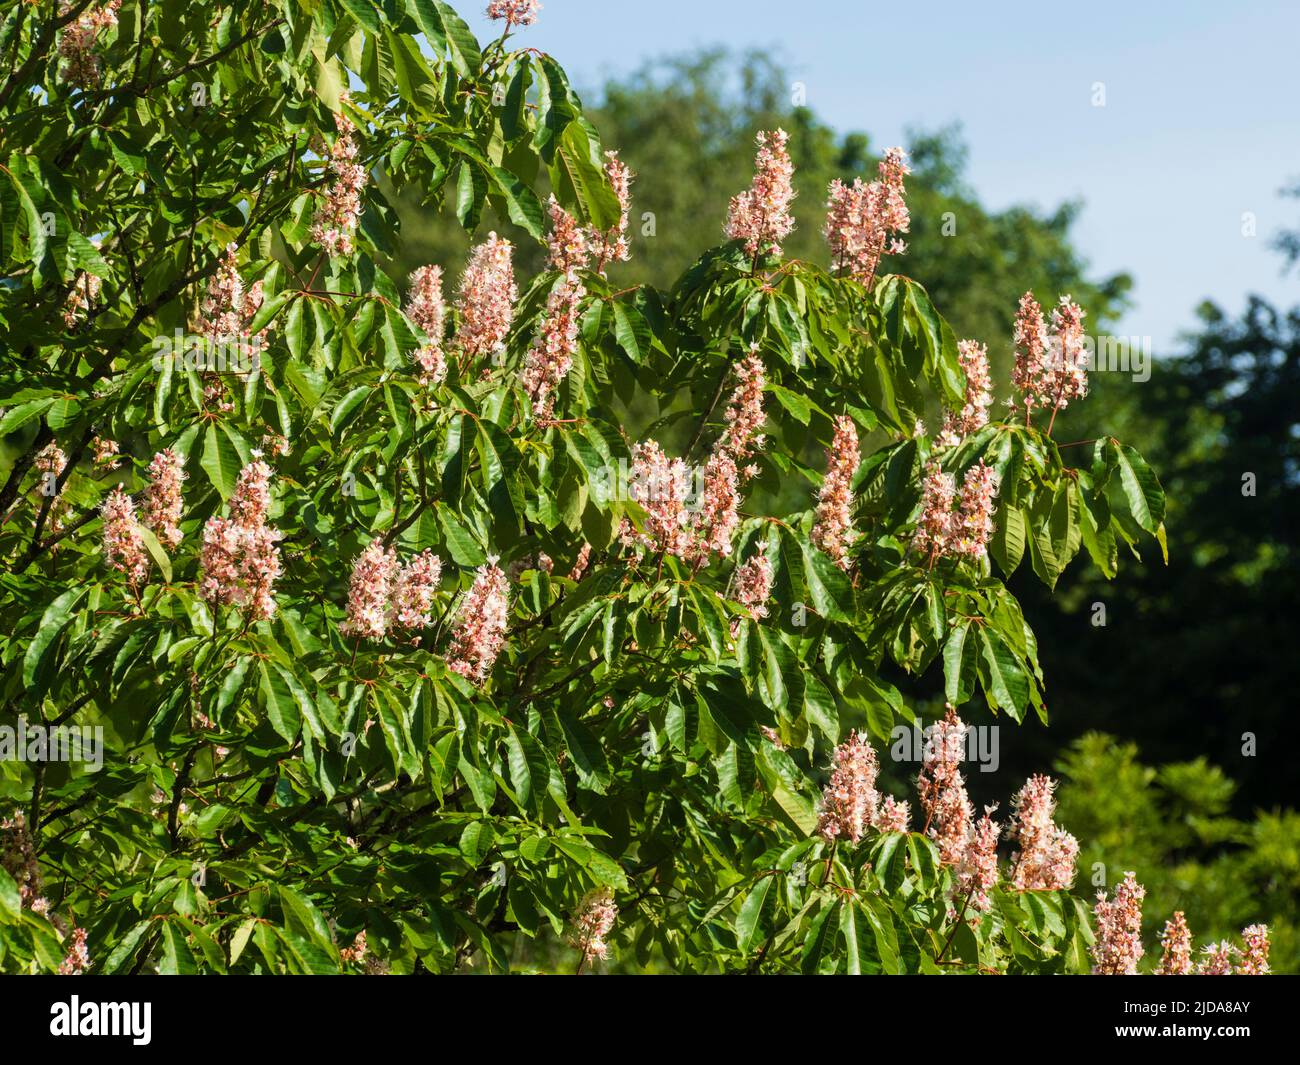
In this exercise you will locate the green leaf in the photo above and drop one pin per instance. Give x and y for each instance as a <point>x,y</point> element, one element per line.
<point>220,460</point>
<point>177,959</point>
<point>749,922</point>
<point>38,659</point>
<point>1141,488</point>
<point>279,702</point>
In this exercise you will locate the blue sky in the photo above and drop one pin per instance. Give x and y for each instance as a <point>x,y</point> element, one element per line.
<point>1201,122</point>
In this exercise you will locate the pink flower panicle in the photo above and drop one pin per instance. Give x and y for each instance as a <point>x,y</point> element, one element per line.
<point>580,564</point>
<point>81,65</point>
<point>1119,929</point>
<point>861,219</point>
<point>356,954</point>
<point>427,309</point>
<point>611,245</point>
<point>373,576</point>
<point>977,869</point>
<point>18,859</point>
<point>123,545</point>
<point>551,355</point>
<point>974,414</point>
<point>754,583</point>
<point>1216,959</point>
<point>227,310</point>
<point>566,244</point>
<point>944,530</point>
<point>593,923</point>
<point>486,298</point>
<point>251,499</point>
<point>942,790</point>
<point>935,527</point>
<point>1175,948</point>
<point>849,799</point>
<point>1030,372</point>
<point>515,12</point>
<point>1254,958</point>
<point>1050,370</point>
<point>979,491</point>
<point>744,415</point>
<point>1047,853</point>
<point>106,453</point>
<point>718,516</point>
<point>163,504</point>
<point>833,526</point>
<point>893,816</point>
<point>239,558</point>
<point>760,216</point>
<point>1069,354</point>
<point>413,594</point>
<point>336,218</point>
<point>662,487</point>
<point>84,291</point>
<point>481,629</point>
<point>78,957</point>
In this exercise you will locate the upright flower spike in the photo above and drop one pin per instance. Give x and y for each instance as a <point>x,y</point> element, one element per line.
<point>163,504</point>
<point>849,799</point>
<point>1118,948</point>
<point>974,414</point>
<point>427,309</point>
<point>942,790</point>
<point>977,869</point>
<point>753,585</point>
<point>1069,355</point>
<point>979,489</point>
<point>123,545</point>
<point>611,245</point>
<point>551,356</point>
<point>937,523</point>
<point>481,628</point>
<point>861,220</point>
<point>593,923</point>
<point>106,453</point>
<point>760,216</point>
<point>78,958</point>
<point>18,859</point>
<point>336,218</point>
<point>893,816</point>
<point>1254,956</point>
<point>1050,369</point>
<point>485,302</point>
<point>227,310</point>
<point>1175,948</point>
<point>373,576</point>
<point>84,291</point>
<point>1047,855</point>
<point>662,487</point>
<point>719,511</point>
<point>239,559</point>
<point>1216,959</point>
<point>514,12</point>
<point>1030,374</point>
<point>833,527</point>
<point>413,594</point>
<point>81,64</point>
<point>744,415</point>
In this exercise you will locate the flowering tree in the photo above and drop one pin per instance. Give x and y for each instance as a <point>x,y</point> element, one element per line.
<point>405,647</point>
